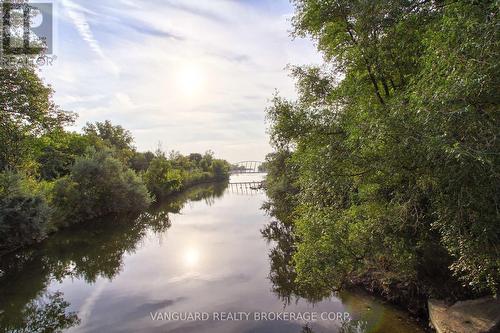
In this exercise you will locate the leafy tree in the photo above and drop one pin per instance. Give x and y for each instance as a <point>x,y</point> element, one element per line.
<point>195,158</point>
<point>180,162</point>
<point>58,151</point>
<point>27,112</point>
<point>140,161</point>
<point>24,212</point>
<point>206,161</point>
<point>98,185</point>
<point>392,147</point>
<point>220,169</point>
<point>114,137</point>
<point>161,179</point>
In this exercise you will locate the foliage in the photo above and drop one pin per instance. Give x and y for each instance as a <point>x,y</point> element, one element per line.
<point>114,136</point>
<point>24,212</point>
<point>220,169</point>
<point>280,187</point>
<point>98,185</point>
<point>27,112</point>
<point>58,151</point>
<point>111,136</point>
<point>206,161</point>
<point>161,178</point>
<point>140,162</point>
<point>50,177</point>
<point>169,175</point>
<point>392,147</point>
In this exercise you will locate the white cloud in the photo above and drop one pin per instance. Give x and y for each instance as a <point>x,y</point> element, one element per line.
<point>240,52</point>
<point>77,14</point>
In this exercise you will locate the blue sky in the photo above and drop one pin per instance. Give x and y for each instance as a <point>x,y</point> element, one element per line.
<point>193,75</point>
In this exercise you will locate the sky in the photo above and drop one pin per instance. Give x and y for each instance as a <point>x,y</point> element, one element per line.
<point>185,75</point>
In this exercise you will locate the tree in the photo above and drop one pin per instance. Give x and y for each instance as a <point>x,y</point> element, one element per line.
<point>195,158</point>
<point>140,161</point>
<point>114,137</point>
<point>220,169</point>
<point>24,212</point>
<point>161,178</point>
<point>27,113</point>
<point>392,147</point>
<point>98,185</point>
<point>206,161</point>
<point>58,151</point>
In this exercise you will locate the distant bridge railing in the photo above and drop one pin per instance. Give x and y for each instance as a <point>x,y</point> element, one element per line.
<point>246,188</point>
<point>247,167</point>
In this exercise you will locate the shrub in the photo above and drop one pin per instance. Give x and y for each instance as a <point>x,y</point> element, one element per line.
<point>161,178</point>
<point>97,186</point>
<point>23,212</point>
<point>220,169</point>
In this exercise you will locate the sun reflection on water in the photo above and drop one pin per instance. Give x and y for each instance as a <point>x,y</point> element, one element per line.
<point>191,257</point>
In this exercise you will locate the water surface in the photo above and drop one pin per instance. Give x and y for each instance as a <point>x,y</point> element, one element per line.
<point>201,251</point>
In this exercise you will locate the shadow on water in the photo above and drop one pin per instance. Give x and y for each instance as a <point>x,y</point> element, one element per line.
<point>87,251</point>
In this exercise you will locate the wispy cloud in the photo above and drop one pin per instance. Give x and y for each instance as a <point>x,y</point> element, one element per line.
<point>77,14</point>
<point>147,29</point>
<point>237,49</point>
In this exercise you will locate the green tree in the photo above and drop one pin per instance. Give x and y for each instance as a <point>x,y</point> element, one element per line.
<point>195,158</point>
<point>24,212</point>
<point>140,161</point>
<point>114,137</point>
<point>392,147</point>
<point>161,178</point>
<point>58,152</point>
<point>220,169</point>
<point>27,112</point>
<point>98,185</point>
<point>206,161</point>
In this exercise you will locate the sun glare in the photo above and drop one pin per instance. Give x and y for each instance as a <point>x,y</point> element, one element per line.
<point>191,257</point>
<point>190,79</point>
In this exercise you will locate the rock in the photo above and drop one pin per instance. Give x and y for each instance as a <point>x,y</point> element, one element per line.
<point>472,316</point>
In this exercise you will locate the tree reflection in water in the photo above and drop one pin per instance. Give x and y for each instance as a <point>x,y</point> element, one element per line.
<point>47,313</point>
<point>283,277</point>
<point>86,251</point>
<point>282,273</point>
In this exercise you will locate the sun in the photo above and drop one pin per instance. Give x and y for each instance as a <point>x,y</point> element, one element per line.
<point>190,79</point>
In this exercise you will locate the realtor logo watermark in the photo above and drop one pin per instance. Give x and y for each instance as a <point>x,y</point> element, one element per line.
<point>251,316</point>
<point>27,30</point>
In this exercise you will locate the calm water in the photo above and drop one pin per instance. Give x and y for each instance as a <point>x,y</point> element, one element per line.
<point>200,252</point>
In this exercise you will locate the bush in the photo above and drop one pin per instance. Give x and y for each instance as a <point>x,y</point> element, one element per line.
<point>97,186</point>
<point>161,178</point>
<point>23,212</point>
<point>220,169</point>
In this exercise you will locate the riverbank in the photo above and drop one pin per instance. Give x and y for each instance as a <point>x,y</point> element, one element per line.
<point>474,315</point>
<point>55,220</point>
<point>51,178</point>
<point>200,250</point>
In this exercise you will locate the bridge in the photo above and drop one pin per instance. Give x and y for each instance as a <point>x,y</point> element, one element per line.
<point>246,188</point>
<point>243,186</point>
<point>247,167</point>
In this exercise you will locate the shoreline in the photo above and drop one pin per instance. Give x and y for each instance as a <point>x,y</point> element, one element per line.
<point>153,204</point>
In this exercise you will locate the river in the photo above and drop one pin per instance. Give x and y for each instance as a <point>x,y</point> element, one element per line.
<point>199,256</point>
